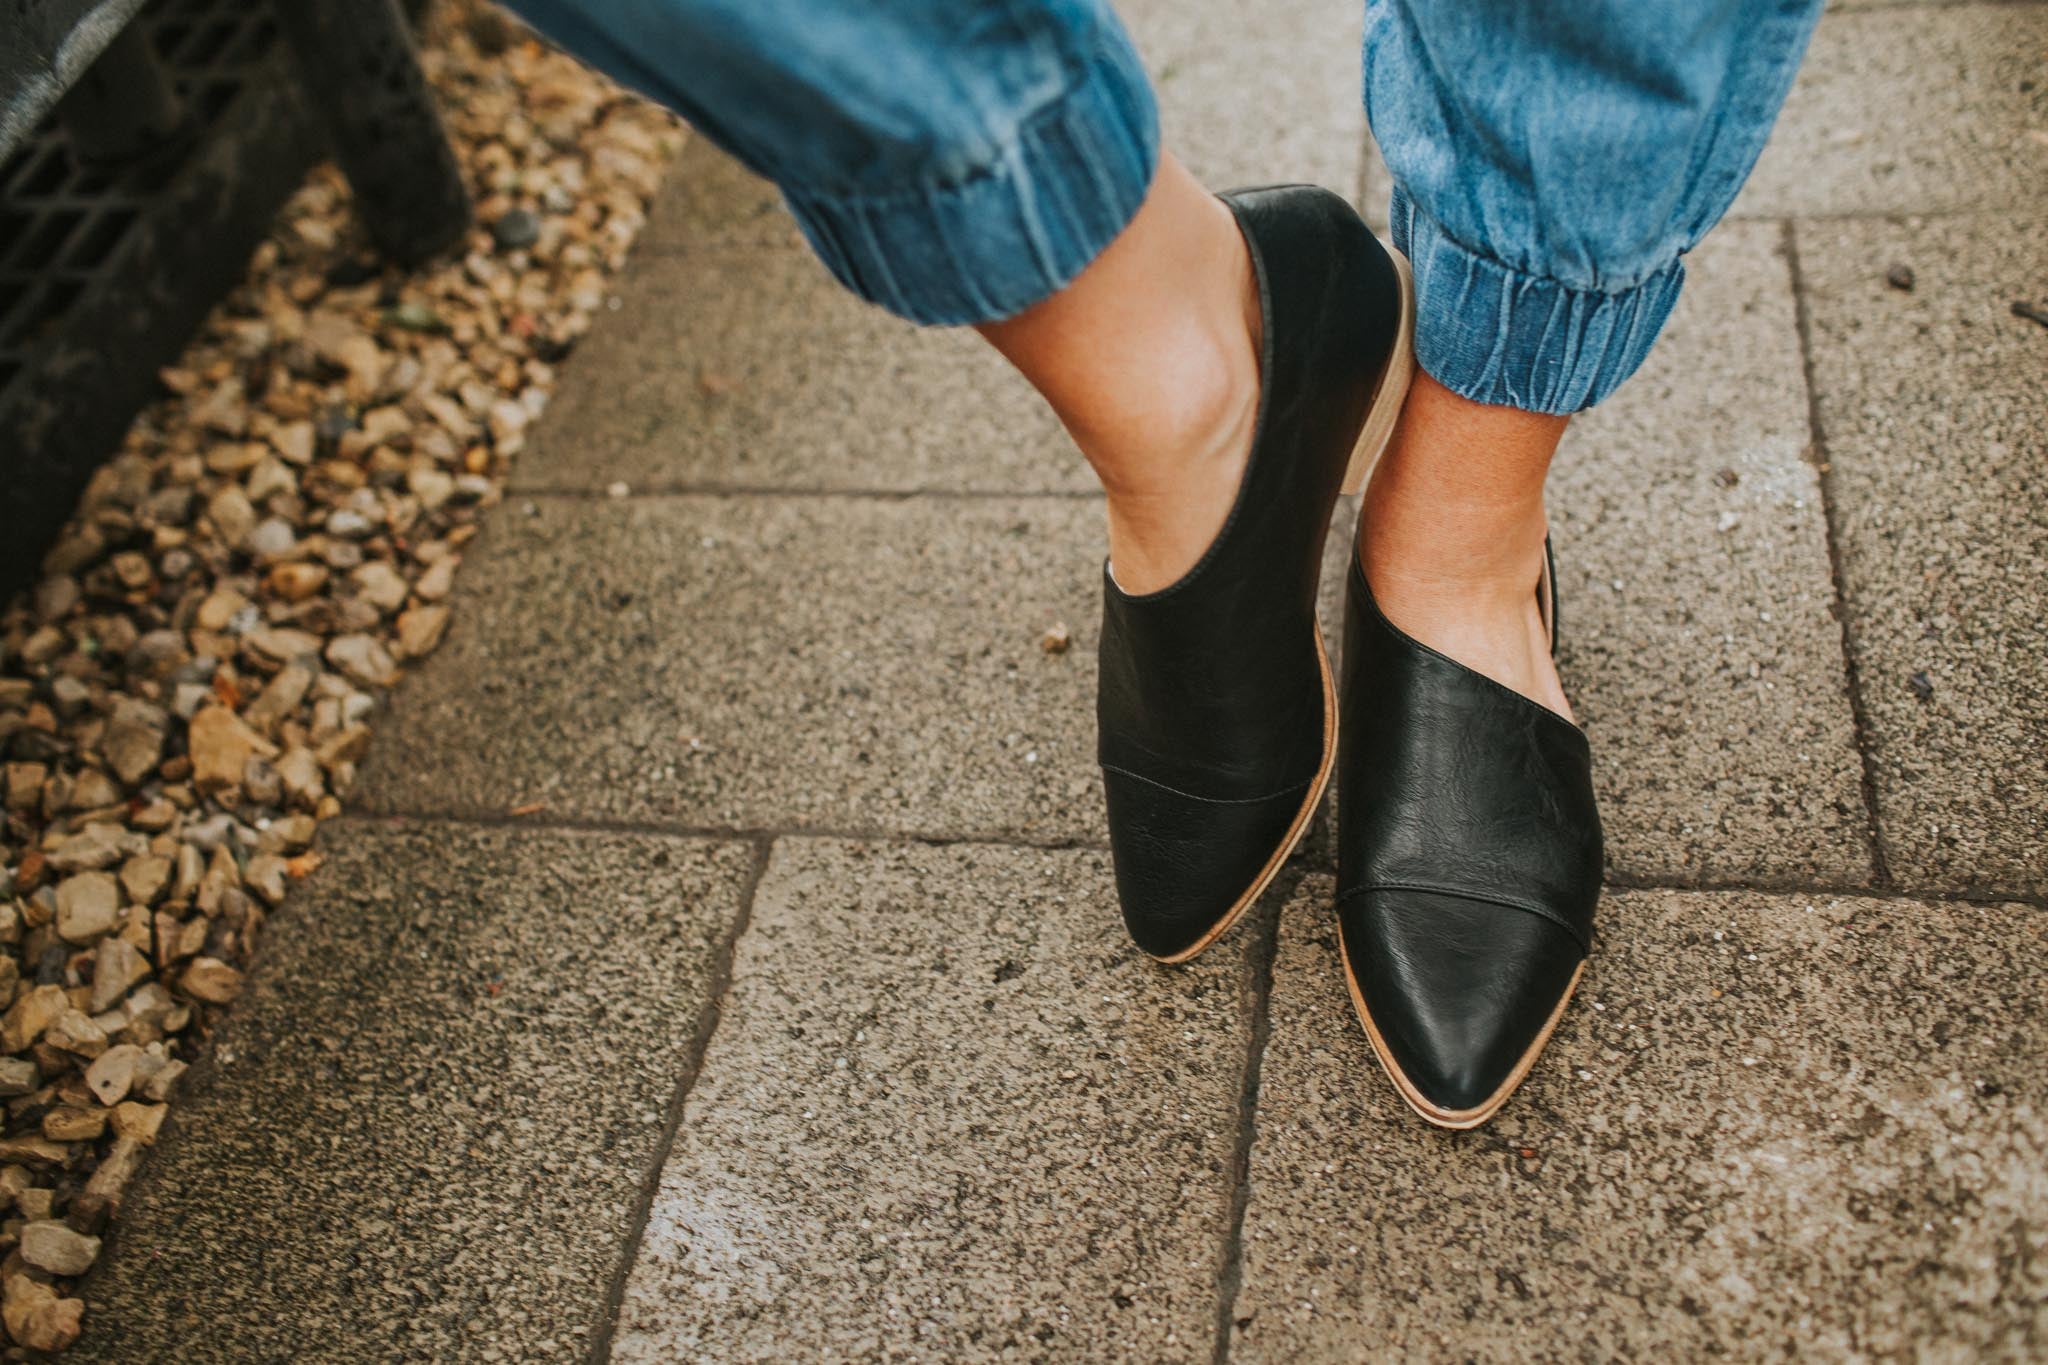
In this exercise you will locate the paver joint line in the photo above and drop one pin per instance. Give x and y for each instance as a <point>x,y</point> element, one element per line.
<point>672,1121</point>
<point>1880,864</point>
<point>656,493</point>
<point>1311,858</point>
<point>738,834</point>
<point>1230,1270</point>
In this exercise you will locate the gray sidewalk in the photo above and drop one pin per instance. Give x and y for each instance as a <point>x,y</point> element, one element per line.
<point>795,1020</point>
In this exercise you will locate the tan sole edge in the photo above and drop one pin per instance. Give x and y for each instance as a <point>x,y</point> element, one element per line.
<point>1390,391</point>
<point>1295,831</point>
<point>1456,1119</point>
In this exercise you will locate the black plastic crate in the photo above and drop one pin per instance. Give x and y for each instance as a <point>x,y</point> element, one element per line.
<point>105,271</point>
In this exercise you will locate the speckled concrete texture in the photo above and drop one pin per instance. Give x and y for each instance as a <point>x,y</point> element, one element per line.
<point>710,201</point>
<point>1932,403</point>
<point>1768,1127</point>
<point>949,1114</point>
<point>1912,108</point>
<point>1257,96</point>
<point>845,664</point>
<point>1699,644</point>
<point>748,367</point>
<point>425,1131</point>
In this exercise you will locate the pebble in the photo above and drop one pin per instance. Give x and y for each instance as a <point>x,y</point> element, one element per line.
<point>95,847</point>
<point>271,539</point>
<point>112,1074</point>
<point>18,1076</point>
<point>210,979</point>
<point>38,1319</point>
<point>515,229</point>
<point>362,658</point>
<point>134,740</point>
<point>52,1246</point>
<point>73,1123</point>
<point>138,1122</point>
<point>74,1031</point>
<point>145,876</point>
<point>420,630</point>
<point>221,745</point>
<point>117,966</point>
<point>88,905</point>
<point>297,580</point>
<point>382,586</point>
<point>232,515</point>
<point>30,1015</point>
<point>158,1082</point>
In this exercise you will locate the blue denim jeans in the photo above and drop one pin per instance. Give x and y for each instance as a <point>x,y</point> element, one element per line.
<point>956,161</point>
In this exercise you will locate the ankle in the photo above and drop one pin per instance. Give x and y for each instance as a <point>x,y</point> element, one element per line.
<point>1189,397</point>
<point>1479,554</point>
<point>1191,411</point>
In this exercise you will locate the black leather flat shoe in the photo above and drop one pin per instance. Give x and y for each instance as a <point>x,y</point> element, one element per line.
<point>1217,711</point>
<point>1469,863</point>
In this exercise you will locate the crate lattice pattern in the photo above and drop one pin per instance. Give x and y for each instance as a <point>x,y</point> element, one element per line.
<point>63,221</point>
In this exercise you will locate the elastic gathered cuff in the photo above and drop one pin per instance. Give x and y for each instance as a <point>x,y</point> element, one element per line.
<point>1497,335</point>
<point>990,246</point>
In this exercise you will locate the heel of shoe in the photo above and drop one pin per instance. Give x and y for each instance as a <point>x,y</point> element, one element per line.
<point>1392,388</point>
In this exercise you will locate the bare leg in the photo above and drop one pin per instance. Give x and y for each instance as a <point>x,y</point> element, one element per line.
<point>1453,527</point>
<point>1150,358</point>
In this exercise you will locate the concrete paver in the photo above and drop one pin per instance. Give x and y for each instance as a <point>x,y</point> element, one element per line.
<point>1699,644</point>
<point>708,202</point>
<point>787,662</point>
<point>750,367</point>
<point>948,1114</point>
<point>1257,97</point>
<point>423,1133</point>
<point>1912,108</point>
<point>1931,404</point>
<point>1768,1126</point>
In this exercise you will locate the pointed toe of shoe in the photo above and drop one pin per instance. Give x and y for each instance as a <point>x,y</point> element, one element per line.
<point>1459,995</point>
<point>1186,868</point>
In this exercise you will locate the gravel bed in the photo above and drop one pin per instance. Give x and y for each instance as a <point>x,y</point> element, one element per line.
<point>186,693</point>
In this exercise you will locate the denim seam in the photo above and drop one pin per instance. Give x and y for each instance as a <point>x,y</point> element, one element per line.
<point>1060,191</point>
<point>1564,358</point>
<point>1085,74</point>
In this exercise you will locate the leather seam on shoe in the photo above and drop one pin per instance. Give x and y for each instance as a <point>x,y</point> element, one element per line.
<point>1209,800</point>
<point>1506,903</point>
<point>1433,652</point>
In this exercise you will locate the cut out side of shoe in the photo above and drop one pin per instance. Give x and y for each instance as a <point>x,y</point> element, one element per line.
<point>1465,994</point>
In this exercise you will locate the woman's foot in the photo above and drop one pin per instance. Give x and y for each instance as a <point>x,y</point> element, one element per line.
<point>1451,536</point>
<point>1469,844</point>
<point>1150,357</point>
<point>1216,714</point>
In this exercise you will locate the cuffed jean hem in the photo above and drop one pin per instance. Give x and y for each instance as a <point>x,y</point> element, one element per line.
<point>988,247</point>
<point>1497,335</point>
